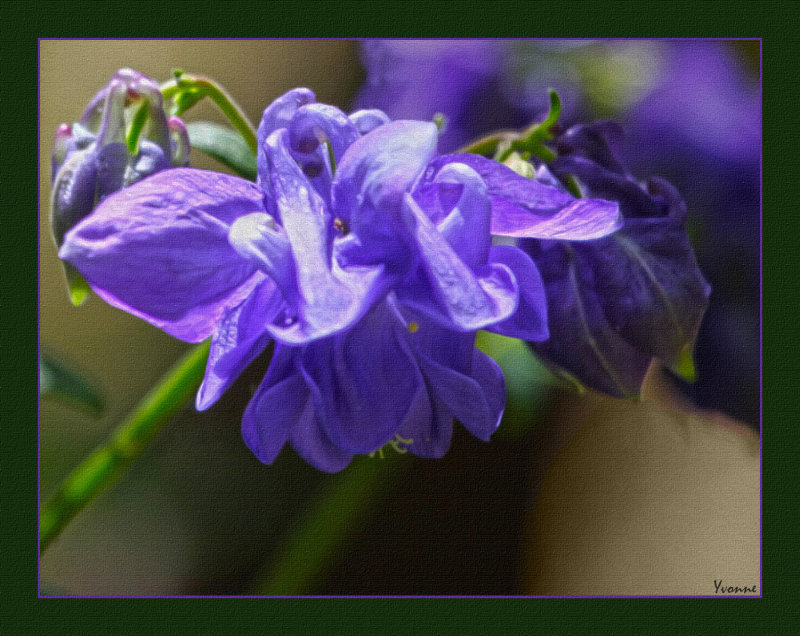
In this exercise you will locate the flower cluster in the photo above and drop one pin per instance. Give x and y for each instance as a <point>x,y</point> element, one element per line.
<point>366,257</point>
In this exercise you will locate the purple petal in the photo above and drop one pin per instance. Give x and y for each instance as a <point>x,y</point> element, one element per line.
<point>159,249</point>
<point>277,406</point>
<point>278,115</point>
<point>372,178</point>
<point>312,444</point>
<point>239,339</point>
<point>527,208</point>
<point>314,124</point>
<point>362,381</point>
<point>582,342</point>
<point>529,321</point>
<point>476,400</point>
<point>464,299</point>
<point>368,119</point>
<point>466,226</point>
<point>428,428</point>
<point>328,300</point>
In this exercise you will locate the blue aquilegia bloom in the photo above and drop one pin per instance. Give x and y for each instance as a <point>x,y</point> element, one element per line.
<point>617,303</point>
<point>92,158</point>
<point>366,258</point>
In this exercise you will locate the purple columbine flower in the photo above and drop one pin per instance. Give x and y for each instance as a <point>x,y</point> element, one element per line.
<point>367,259</point>
<point>618,302</point>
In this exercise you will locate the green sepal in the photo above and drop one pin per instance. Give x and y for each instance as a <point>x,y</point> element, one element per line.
<point>77,287</point>
<point>64,385</point>
<point>223,144</point>
<point>136,127</point>
<point>684,365</point>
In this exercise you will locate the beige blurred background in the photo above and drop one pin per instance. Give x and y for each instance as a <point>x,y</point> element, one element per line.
<point>635,497</point>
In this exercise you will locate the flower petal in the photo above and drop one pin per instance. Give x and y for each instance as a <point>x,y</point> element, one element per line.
<point>362,381</point>
<point>368,119</point>
<point>239,339</point>
<point>582,342</point>
<point>159,249</point>
<point>277,406</point>
<point>368,189</point>
<point>527,208</point>
<point>451,292</point>
<point>476,400</point>
<point>328,300</point>
<point>428,427</point>
<point>312,444</point>
<point>529,321</point>
<point>278,115</point>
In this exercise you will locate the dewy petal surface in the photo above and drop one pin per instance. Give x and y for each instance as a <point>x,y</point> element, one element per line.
<point>159,249</point>
<point>527,208</point>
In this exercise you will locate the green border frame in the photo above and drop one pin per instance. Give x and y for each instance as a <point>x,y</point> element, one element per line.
<point>24,613</point>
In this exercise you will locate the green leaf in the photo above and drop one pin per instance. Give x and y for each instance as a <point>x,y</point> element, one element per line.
<point>223,144</point>
<point>60,383</point>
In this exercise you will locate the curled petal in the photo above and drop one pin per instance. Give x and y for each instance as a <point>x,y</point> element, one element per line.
<point>278,115</point>
<point>314,124</point>
<point>159,249</point>
<point>529,321</point>
<point>368,119</point>
<point>527,208</point>
<point>466,227</point>
<point>378,169</point>
<point>464,299</point>
<point>239,339</point>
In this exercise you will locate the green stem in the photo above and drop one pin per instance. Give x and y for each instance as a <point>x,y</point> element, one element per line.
<point>102,468</point>
<point>196,87</point>
<point>322,533</point>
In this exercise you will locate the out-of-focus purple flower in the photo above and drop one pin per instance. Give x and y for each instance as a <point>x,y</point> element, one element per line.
<point>367,259</point>
<point>616,303</point>
<point>91,158</point>
<point>692,115</point>
<point>700,127</point>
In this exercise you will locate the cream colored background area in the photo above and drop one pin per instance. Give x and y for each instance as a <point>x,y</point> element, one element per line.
<point>644,499</point>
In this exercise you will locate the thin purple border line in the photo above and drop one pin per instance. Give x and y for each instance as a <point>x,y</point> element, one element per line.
<point>761,333</point>
<point>39,317</point>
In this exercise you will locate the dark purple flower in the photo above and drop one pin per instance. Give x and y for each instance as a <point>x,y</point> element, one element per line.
<point>369,264</point>
<point>616,303</point>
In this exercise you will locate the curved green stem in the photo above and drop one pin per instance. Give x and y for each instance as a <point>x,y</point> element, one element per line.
<point>186,90</point>
<point>102,468</point>
<point>333,517</point>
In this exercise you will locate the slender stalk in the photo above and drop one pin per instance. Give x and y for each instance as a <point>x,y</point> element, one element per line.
<point>321,534</point>
<point>102,468</point>
<point>195,87</point>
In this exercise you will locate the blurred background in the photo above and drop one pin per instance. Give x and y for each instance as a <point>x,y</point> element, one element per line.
<point>576,494</point>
